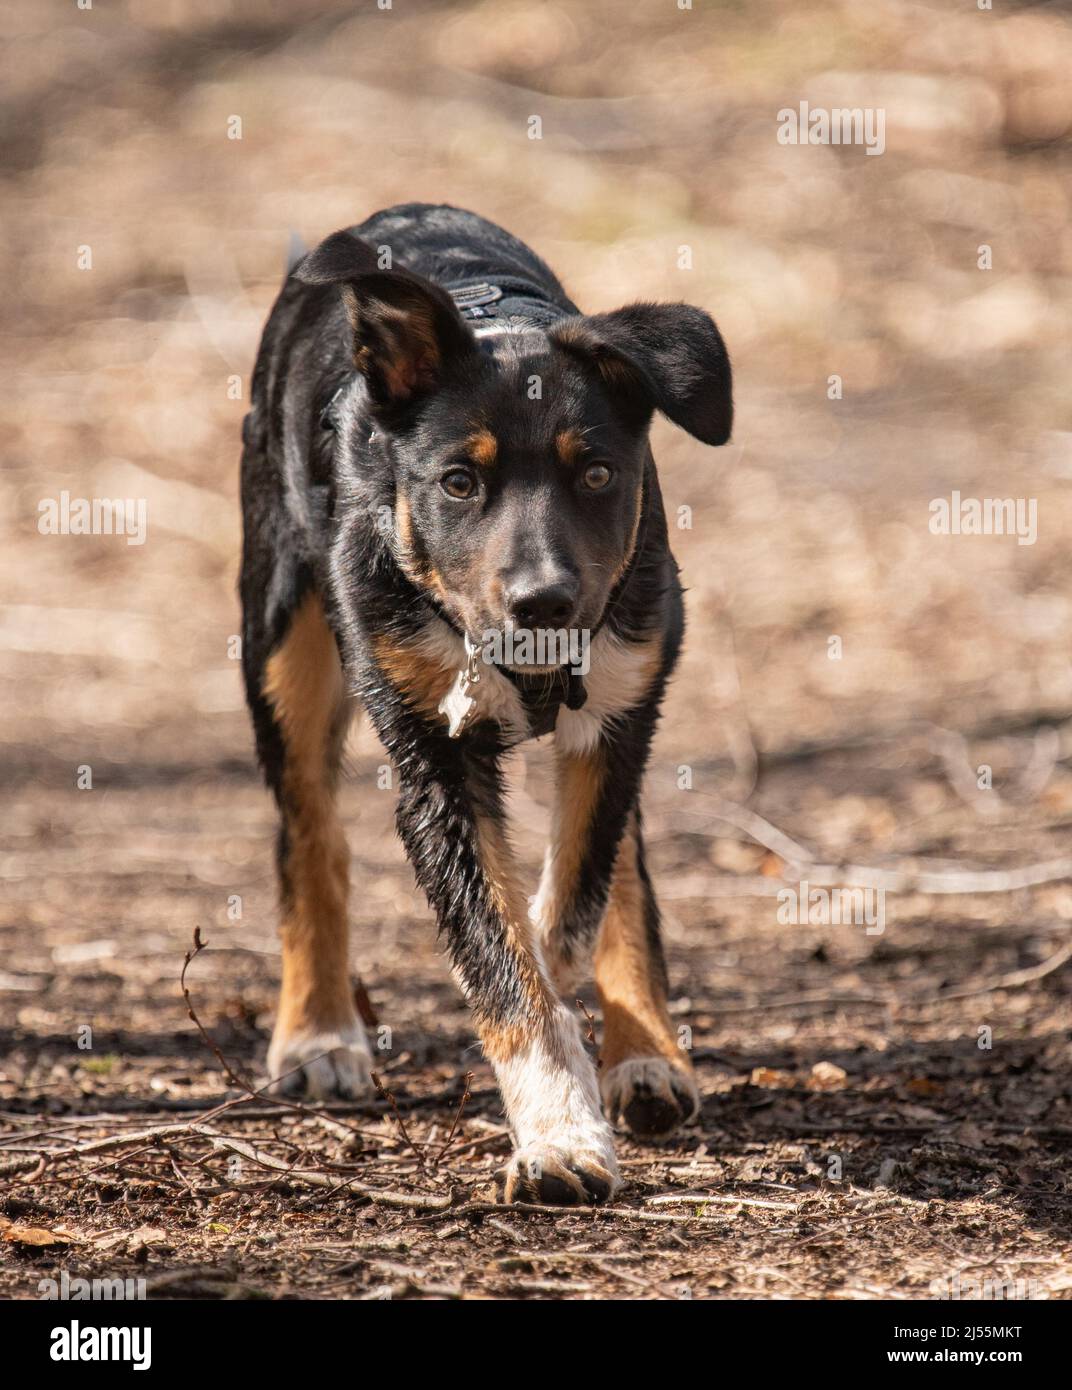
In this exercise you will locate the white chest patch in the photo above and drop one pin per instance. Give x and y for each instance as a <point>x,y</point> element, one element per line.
<point>619,678</point>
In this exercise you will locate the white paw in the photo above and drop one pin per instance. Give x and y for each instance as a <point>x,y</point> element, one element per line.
<point>649,1096</point>
<point>324,1065</point>
<point>565,1148</point>
<point>556,1175</point>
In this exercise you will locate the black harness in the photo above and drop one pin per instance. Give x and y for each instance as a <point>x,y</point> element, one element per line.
<point>510,297</point>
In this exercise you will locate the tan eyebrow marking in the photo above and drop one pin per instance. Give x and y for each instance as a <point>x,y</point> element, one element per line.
<point>482,447</point>
<point>570,446</point>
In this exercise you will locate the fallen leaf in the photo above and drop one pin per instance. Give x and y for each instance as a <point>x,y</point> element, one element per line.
<point>970,1135</point>
<point>149,1235</point>
<point>32,1235</point>
<point>827,1076</point>
<point>770,1079</point>
<point>917,1115</point>
<point>110,1240</point>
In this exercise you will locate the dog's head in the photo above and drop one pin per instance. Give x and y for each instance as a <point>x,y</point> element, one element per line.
<point>518,459</point>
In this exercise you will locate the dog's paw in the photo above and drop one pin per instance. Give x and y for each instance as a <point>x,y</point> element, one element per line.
<point>649,1096</point>
<point>552,1175</point>
<point>334,1064</point>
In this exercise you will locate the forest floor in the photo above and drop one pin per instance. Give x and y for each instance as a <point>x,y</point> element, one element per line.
<point>887,1106</point>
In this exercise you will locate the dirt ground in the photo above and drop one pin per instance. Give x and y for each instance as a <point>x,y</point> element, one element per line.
<point>888,1111</point>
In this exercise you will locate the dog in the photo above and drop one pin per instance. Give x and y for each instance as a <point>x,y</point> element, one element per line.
<point>441,447</point>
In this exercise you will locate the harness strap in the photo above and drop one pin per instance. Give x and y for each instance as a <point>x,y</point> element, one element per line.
<point>484,299</point>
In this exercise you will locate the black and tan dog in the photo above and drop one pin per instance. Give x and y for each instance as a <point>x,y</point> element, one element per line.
<point>440,447</point>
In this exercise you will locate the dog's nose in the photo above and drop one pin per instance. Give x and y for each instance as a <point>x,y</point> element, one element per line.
<point>542,605</point>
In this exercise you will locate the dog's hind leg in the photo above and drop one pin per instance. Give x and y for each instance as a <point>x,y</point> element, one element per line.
<point>300,711</point>
<point>646,1077</point>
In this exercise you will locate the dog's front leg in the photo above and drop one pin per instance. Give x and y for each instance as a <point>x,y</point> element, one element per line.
<point>595,890</point>
<point>451,819</point>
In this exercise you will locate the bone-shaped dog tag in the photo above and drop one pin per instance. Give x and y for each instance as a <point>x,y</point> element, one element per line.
<point>457,704</point>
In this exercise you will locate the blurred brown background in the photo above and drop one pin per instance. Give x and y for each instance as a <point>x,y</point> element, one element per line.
<point>130,379</point>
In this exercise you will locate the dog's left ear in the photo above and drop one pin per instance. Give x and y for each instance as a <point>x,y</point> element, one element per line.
<point>407,331</point>
<point>667,357</point>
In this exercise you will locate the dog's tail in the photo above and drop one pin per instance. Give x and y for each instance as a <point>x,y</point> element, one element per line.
<point>296,249</point>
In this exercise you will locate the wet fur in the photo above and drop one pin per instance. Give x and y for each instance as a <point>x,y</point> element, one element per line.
<point>356,582</point>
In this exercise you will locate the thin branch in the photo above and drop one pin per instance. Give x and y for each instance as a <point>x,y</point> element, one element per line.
<point>457,1117</point>
<point>414,1201</point>
<point>388,1096</point>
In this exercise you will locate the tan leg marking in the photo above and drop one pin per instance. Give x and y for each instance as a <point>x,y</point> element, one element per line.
<point>645,1076</point>
<point>503,1042</point>
<point>635,1019</point>
<point>565,1152</point>
<point>303,684</point>
<point>578,783</point>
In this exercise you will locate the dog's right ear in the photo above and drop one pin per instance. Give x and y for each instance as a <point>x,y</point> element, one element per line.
<point>667,357</point>
<point>407,331</point>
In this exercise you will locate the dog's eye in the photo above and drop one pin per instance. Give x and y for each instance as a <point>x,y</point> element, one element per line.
<point>596,476</point>
<point>458,483</point>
